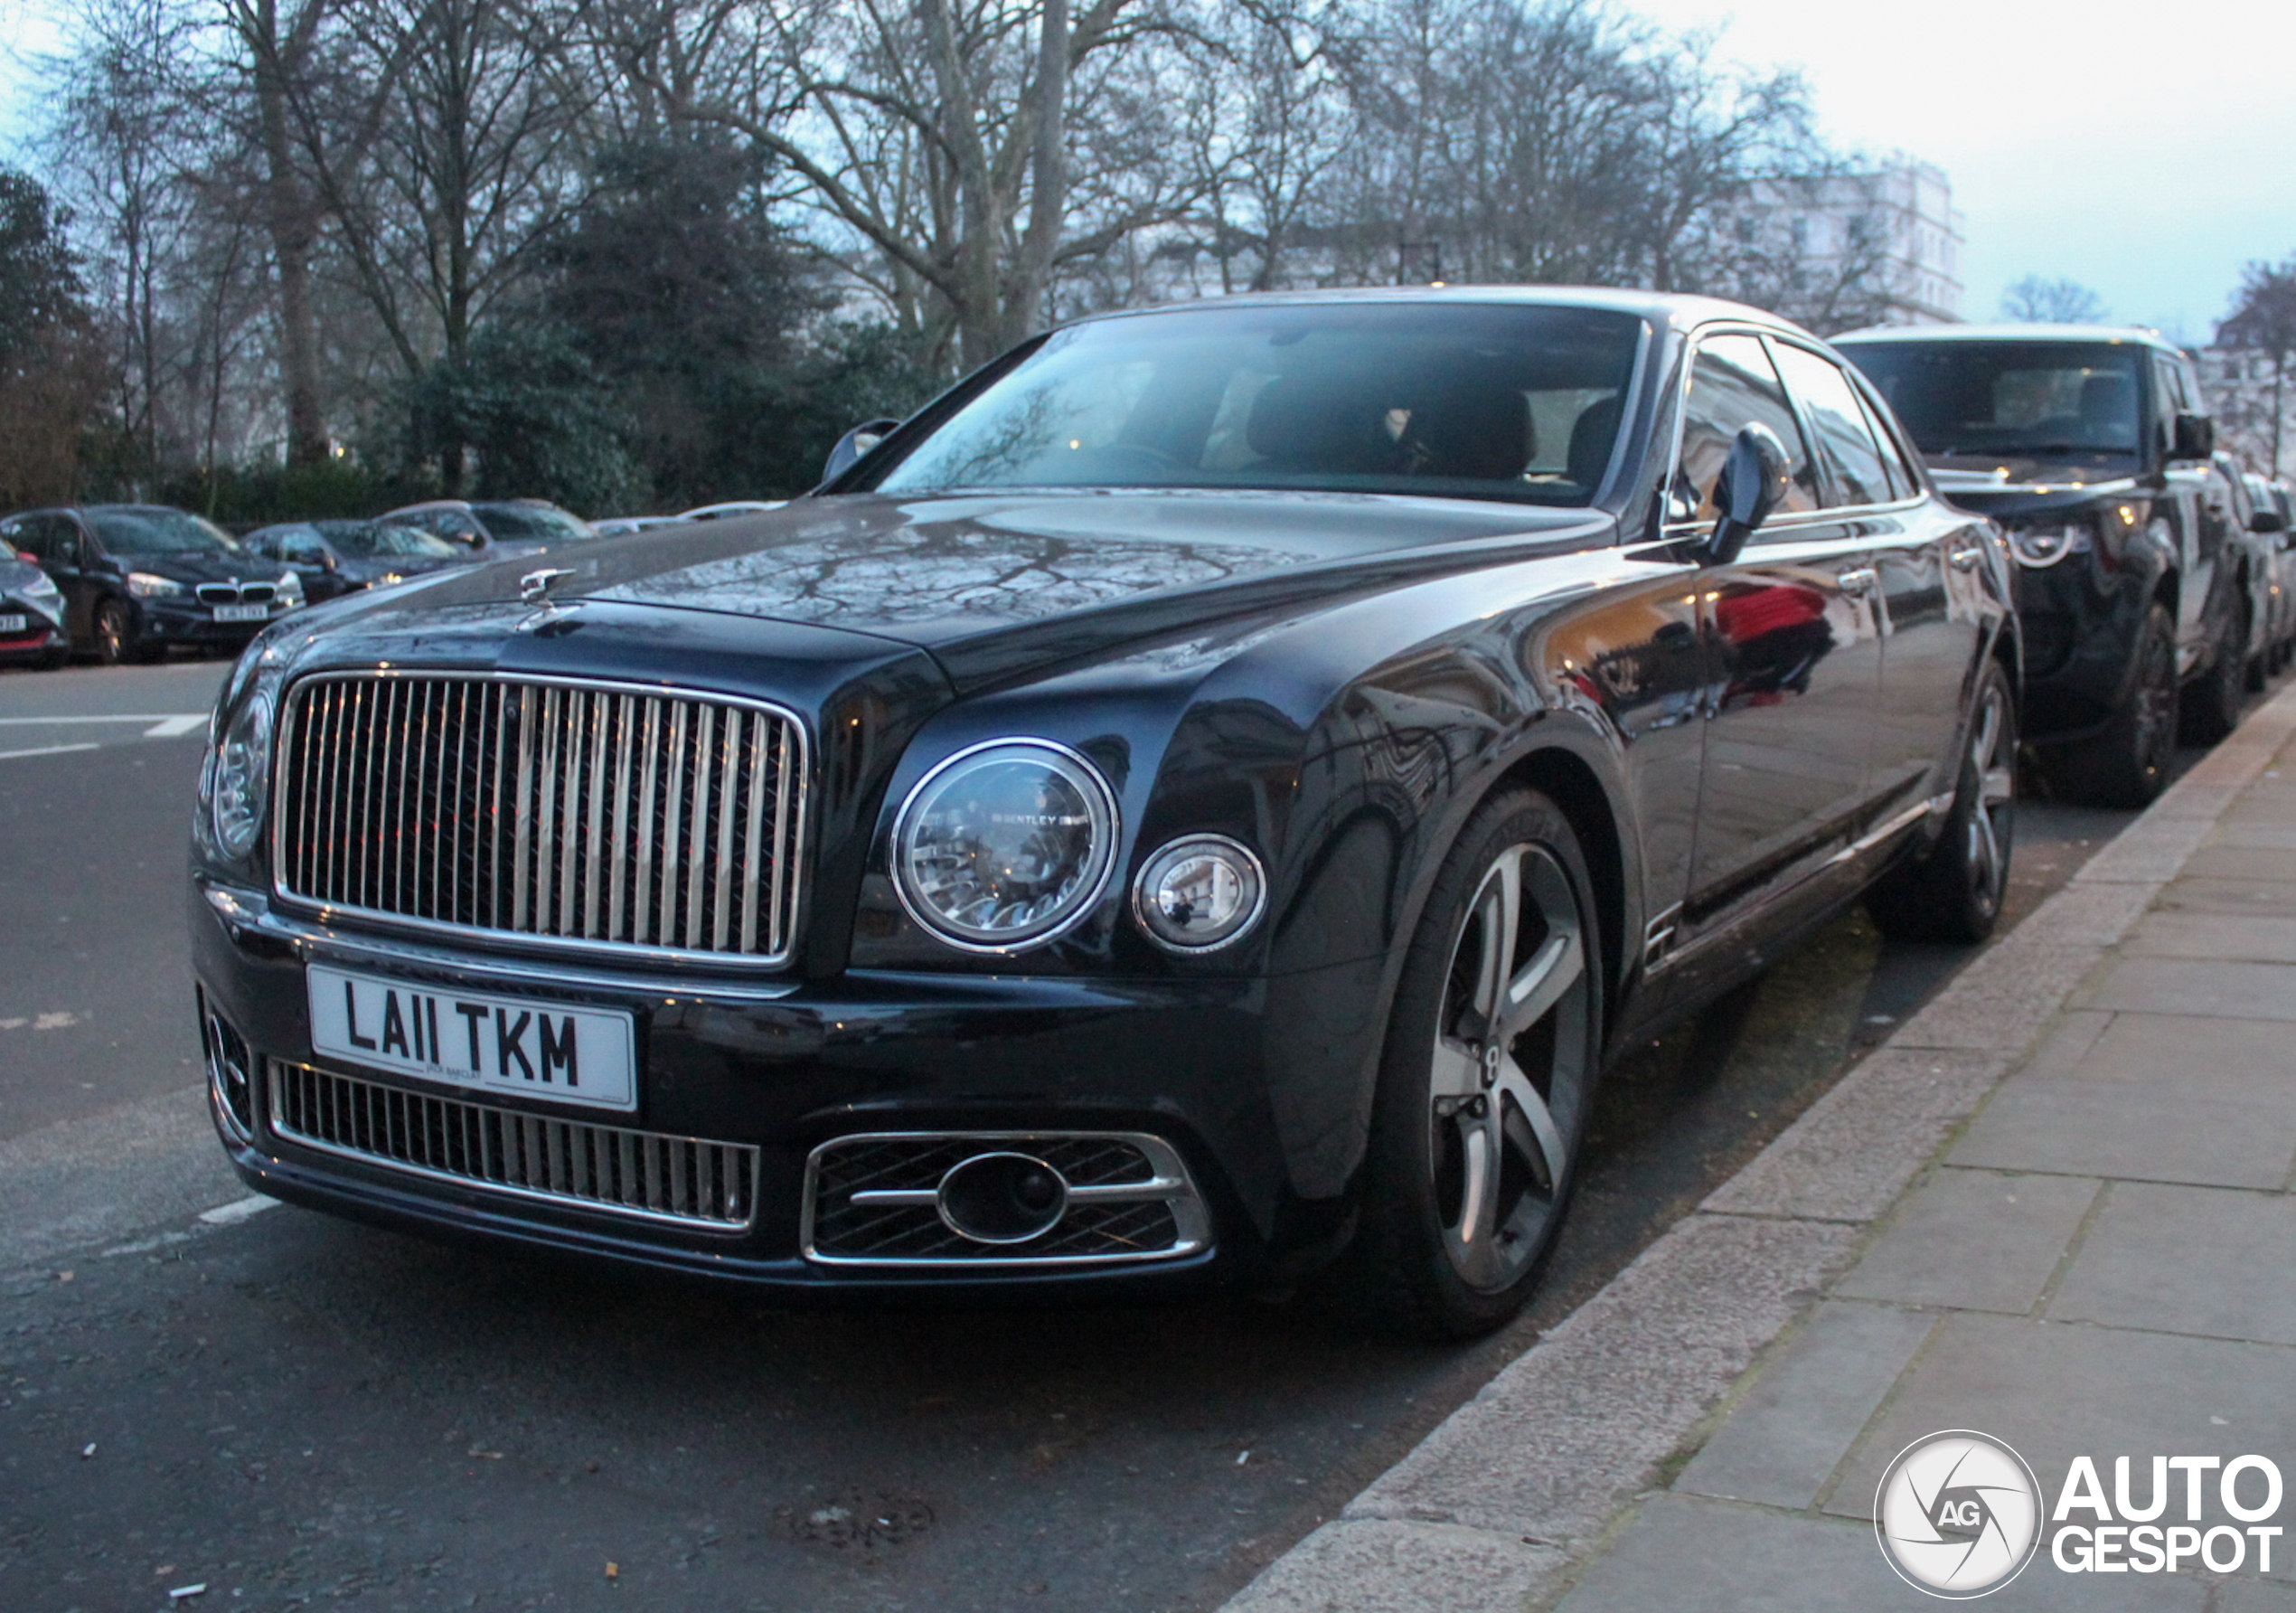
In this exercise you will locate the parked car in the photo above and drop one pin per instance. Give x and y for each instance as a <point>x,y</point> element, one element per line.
<point>2252,532</point>
<point>32,615</point>
<point>2270,501</point>
<point>616,526</point>
<point>2087,442</point>
<point>740,506</point>
<point>334,558</point>
<point>1202,800</point>
<point>496,528</point>
<point>138,578</point>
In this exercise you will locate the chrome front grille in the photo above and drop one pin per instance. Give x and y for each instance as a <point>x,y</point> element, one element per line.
<point>614,1168</point>
<point>586,814</point>
<point>870,1199</point>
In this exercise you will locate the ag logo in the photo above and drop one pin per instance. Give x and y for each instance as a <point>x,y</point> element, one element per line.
<point>1958,1515</point>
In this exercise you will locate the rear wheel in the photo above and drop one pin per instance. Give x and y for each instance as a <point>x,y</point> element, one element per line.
<point>1486,1079</point>
<point>1954,892</point>
<point>2126,763</point>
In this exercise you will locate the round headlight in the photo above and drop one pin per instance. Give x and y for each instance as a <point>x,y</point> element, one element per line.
<point>242,764</point>
<point>2047,546</point>
<point>1005,845</point>
<point>1198,893</point>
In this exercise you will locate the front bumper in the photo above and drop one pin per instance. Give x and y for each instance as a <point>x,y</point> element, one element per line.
<point>786,1067</point>
<point>2080,621</point>
<point>40,640</point>
<point>189,622</point>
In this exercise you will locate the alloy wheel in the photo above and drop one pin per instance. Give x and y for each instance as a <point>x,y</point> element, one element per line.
<point>1992,755</point>
<point>1509,1072</point>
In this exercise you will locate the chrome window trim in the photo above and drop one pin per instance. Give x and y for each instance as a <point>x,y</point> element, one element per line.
<point>290,709</point>
<point>1172,1184</point>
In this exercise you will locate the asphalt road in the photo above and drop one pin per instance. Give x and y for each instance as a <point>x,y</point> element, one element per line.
<point>292,1410</point>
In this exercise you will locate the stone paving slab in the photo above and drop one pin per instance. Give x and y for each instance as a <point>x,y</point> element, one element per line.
<point>2194,987</point>
<point>2055,1391</point>
<point>2183,933</point>
<point>2186,1259</point>
<point>2257,898</point>
<point>1783,1440</point>
<point>2184,1056</point>
<point>1687,1556</point>
<point>2109,1128</point>
<point>1974,1240</point>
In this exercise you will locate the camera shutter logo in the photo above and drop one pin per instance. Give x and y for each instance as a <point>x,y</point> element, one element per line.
<point>1958,1515</point>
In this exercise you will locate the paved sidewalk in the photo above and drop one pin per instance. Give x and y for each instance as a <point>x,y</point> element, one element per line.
<point>2056,1207</point>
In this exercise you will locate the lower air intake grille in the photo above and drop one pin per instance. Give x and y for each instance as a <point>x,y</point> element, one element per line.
<point>649,1174</point>
<point>872,1200</point>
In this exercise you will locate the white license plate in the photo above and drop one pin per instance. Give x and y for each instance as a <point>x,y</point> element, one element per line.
<point>496,1044</point>
<point>13,624</point>
<point>241,613</point>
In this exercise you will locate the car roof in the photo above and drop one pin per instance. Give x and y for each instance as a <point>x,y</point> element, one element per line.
<point>1676,310</point>
<point>2027,333</point>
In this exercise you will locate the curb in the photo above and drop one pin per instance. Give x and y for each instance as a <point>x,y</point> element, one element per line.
<point>1489,1511</point>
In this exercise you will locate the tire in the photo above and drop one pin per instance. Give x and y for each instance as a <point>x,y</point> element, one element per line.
<point>115,634</point>
<point>2126,764</point>
<point>2212,704</point>
<point>1953,892</point>
<point>1474,1136</point>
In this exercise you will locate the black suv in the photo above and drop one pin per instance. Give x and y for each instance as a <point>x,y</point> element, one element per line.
<point>2087,443</point>
<point>137,578</point>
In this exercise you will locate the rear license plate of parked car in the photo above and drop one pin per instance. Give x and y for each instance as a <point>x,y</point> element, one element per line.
<point>241,613</point>
<point>499,1045</point>
<point>12,624</point>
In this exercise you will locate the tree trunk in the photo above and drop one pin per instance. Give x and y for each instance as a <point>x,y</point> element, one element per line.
<point>291,220</point>
<point>1048,189</point>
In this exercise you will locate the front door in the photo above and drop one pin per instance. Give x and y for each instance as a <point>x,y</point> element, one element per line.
<point>1794,656</point>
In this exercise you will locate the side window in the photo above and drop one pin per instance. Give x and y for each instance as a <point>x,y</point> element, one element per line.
<point>1844,439</point>
<point>2171,397</point>
<point>1902,481</point>
<point>1733,385</point>
<point>261,544</point>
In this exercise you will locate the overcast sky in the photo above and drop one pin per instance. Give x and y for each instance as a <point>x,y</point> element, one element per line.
<point>2147,151</point>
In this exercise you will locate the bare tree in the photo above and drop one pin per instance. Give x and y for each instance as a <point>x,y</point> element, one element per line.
<point>2036,300</point>
<point>2264,321</point>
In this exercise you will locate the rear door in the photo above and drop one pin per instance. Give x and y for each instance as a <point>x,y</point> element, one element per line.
<point>1926,561</point>
<point>1793,653</point>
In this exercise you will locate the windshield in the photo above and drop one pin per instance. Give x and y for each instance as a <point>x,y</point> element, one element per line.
<point>158,531</point>
<point>369,542</point>
<point>1459,400</point>
<point>529,523</point>
<point>2017,400</point>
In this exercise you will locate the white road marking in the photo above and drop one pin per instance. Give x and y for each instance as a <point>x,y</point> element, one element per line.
<point>175,728</point>
<point>238,1210</point>
<point>188,717</point>
<point>46,751</point>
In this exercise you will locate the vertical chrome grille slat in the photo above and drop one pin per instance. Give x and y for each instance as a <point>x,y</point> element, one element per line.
<point>596,816</point>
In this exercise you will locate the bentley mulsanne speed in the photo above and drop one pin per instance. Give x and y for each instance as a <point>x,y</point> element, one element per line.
<point>1198,803</point>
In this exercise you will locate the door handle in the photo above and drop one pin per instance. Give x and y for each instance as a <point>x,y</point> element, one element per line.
<point>1859,580</point>
<point>1964,560</point>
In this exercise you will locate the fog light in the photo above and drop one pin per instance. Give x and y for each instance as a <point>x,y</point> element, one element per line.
<point>1200,892</point>
<point>229,1089</point>
<point>1002,1198</point>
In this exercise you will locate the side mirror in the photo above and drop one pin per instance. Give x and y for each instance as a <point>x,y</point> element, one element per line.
<point>855,445</point>
<point>2196,437</point>
<point>2267,521</point>
<point>1753,480</point>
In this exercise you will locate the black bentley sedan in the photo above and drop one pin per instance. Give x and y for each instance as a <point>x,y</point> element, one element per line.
<point>1202,800</point>
<point>2144,602</point>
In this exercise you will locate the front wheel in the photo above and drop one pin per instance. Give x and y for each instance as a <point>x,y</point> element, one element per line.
<point>2212,704</point>
<point>2126,763</point>
<point>1486,1080</point>
<point>1953,894</point>
<point>115,634</point>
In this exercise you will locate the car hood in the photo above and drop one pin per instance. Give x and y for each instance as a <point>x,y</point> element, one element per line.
<point>195,568</point>
<point>360,568</point>
<point>18,574</point>
<point>993,585</point>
